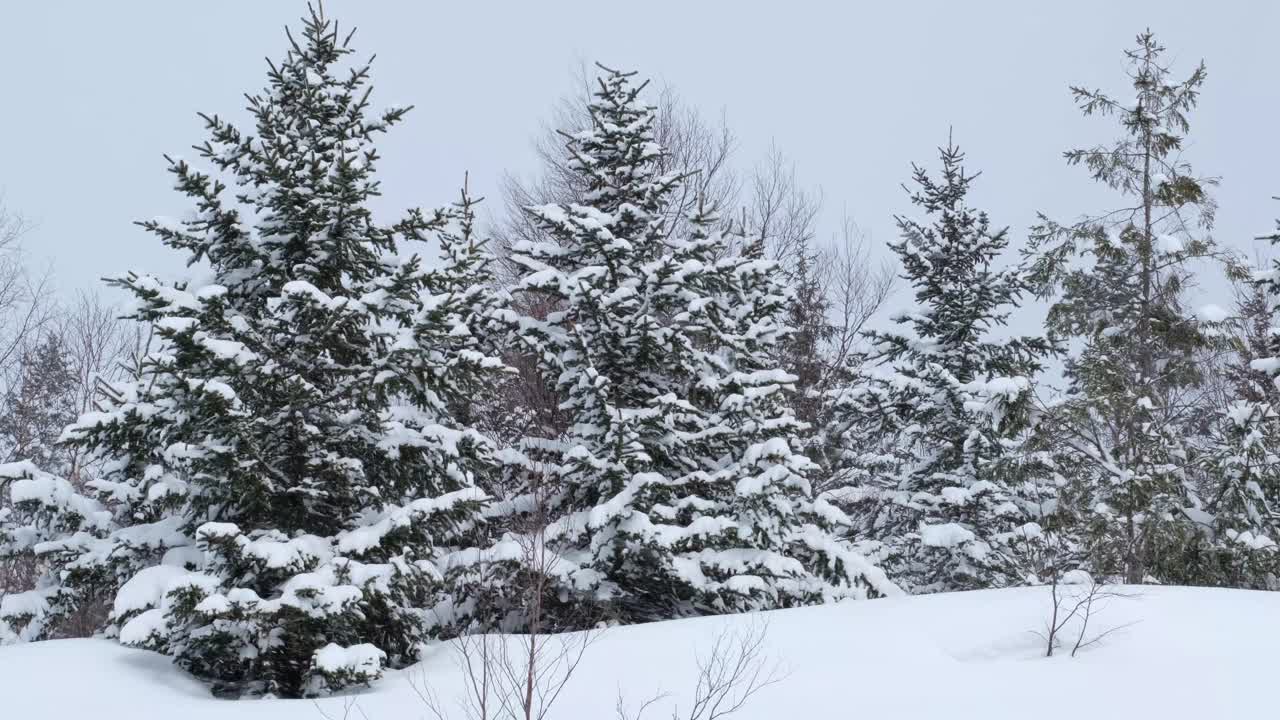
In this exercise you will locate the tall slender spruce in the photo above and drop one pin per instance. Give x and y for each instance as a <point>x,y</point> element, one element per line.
<point>1117,282</point>
<point>935,405</point>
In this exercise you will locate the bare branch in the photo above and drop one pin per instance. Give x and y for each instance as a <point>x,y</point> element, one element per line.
<point>734,670</point>
<point>518,677</point>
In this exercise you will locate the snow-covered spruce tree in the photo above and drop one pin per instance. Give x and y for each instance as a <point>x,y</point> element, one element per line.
<point>677,487</point>
<point>803,352</point>
<point>937,403</point>
<point>1248,368</point>
<point>46,522</point>
<point>286,469</point>
<point>1242,469</point>
<point>40,402</point>
<point>1240,484</point>
<point>1117,281</point>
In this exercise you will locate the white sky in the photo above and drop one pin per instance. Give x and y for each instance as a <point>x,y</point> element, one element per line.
<point>851,91</point>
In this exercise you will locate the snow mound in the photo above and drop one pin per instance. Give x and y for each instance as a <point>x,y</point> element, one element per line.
<point>1177,653</point>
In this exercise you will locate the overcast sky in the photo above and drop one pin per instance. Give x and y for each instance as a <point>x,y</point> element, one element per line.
<point>852,92</point>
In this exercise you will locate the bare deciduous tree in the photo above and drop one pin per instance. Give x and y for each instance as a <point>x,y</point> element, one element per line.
<point>734,670</point>
<point>24,313</point>
<point>779,212</point>
<point>510,677</point>
<point>102,348</point>
<point>857,287</point>
<point>519,677</point>
<point>25,306</point>
<point>1077,598</point>
<point>699,150</point>
<point>91,345</point>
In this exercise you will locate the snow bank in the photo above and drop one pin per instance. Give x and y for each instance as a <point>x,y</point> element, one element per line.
<point>1193,653</point>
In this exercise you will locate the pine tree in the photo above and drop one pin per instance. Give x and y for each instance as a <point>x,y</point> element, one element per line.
<point>1243,507</point>
<point>286,471</point>
<point>40,402</point>
<point>802,352</point>
<point>1267,282</point>
<point>1239,489</point>
<point>679,488</point>
<point>936,403</point>
<point>38,405</point>
<point>1117,282</point>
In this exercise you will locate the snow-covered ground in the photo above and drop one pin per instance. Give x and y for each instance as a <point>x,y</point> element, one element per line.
<point>1193,653</point>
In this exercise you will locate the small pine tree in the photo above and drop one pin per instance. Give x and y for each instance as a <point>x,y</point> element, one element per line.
<point>38,405</point>
<point>1267,282</point>
<point>1247,372</point>
<point>288,468</point>
<point>933,408</point>
<point>1117,282</point>
<point>1241,462</point>
<point>1240,485</point>
<point>41,401</point>
<point>802,352</point>
<point>678,486</point>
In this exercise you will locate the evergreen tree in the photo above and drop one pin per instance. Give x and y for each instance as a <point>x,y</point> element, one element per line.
<point>678,486</point>
<point>936,403</point>
<point>287,470</point>
<point>802,352</point>
<point>1267,282</point>
<point>1240,484</point>
<point>1243,508</point>
<point>1243,351</point>
<point>38,405</point>
<point>1117,283</point>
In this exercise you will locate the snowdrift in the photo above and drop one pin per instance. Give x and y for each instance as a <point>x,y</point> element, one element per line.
<point>1190,653</point>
